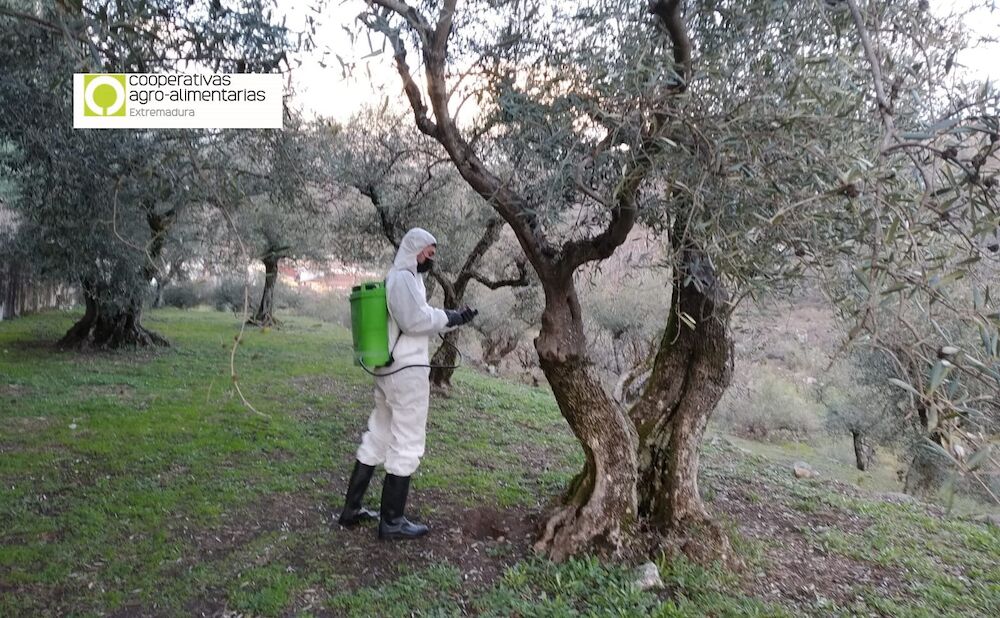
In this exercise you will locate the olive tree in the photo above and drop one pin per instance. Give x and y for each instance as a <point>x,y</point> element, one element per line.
<point>860,402</point>
<point>97,206</point>
<point>598,116</point>
<point>93,206</point>
<point>281,212</point>
<point>569,151</point>
<point>920,231</point>
<point>581,104</point>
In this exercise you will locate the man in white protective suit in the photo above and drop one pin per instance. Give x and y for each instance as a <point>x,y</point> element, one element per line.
<point>397,425</point>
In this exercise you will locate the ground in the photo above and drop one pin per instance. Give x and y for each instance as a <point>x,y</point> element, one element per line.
<point>136,484</point>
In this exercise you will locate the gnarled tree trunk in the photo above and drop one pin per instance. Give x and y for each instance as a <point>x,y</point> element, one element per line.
<point>599,508</point>
<point>497,346</point>
<point>119,325</point>
<point>691,371</point>
<point>105,326</point>
<point>454,296</point>
<point>443,361</point>
<point>928,470</point>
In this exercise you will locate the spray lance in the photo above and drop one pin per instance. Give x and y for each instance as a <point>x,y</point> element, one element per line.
<point>370,330</point>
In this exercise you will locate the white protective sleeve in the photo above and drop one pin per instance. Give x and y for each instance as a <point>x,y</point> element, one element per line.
<point>410,309</point>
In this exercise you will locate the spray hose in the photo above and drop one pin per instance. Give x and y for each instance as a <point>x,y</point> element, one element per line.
<point>461,357</point>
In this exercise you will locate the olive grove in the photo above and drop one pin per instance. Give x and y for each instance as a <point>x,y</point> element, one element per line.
<point>760,139</point>
<point>95,207</point>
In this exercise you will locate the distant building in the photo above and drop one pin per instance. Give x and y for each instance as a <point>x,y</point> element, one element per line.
<point>332,276</point>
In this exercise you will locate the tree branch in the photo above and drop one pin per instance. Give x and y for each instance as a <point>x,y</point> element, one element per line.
<point>447,289</point>
<point>385,224</point>
<point>515,282</point>
<point>489,237</point>
<point>625,209</point>
<point>31,19</point>
<point>669,12</point>
<point>379,24</point>
<point>885,110</point>
<point>511,206</point>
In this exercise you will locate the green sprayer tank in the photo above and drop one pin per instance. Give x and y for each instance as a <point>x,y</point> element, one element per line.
<point>370,324</point>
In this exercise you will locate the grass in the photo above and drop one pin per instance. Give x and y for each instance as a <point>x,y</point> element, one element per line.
<point>948,564</point>
<point>953,563</point>
<point>833,459</point>
<point>137,483</point>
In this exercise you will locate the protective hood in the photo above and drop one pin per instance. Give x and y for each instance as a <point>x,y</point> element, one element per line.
<point>415,241</point>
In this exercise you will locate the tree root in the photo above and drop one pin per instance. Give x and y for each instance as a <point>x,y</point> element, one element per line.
<point>265,322</point>
<point>570,528</point>
<point>106,335</point>
<point>701,540</point>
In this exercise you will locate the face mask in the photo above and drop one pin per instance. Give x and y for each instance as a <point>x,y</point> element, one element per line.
<point>425,266</point>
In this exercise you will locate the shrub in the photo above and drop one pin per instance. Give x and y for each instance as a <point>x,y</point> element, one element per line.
<point>332,307</point>
<point>228,295</point>
<point>184,295</point>
<point>773,408</point>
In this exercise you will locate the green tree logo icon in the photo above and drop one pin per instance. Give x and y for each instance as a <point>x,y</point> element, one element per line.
<point>104,94</point>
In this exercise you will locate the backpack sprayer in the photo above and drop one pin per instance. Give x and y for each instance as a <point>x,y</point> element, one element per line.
<point>370,330</point>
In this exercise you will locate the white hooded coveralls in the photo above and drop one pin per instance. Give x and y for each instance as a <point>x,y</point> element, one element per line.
<point>397,426</point>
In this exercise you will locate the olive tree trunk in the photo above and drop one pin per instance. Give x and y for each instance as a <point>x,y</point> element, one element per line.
<point>265,310</point>
<point>599,508</point>
<point>691,371</point>
<point>444,360</point>
<point>109,326</point>
<point>864,453</point>
<point>113,325</point>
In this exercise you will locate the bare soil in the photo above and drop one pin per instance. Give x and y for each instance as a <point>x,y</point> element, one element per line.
<point>482,541</point>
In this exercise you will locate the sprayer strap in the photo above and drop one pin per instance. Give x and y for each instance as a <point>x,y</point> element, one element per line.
<point>445,341</point>
<point>392,358</point>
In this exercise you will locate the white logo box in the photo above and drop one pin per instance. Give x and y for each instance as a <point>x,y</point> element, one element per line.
<point>178,101</point>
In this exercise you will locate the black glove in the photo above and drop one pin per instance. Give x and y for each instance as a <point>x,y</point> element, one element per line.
<point>462,316</point>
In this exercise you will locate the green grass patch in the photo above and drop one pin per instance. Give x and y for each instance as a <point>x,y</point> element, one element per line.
<point>137,482</point>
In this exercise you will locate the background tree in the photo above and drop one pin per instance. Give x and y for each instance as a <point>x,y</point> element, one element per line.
<point>505,318</point>
<point>93,227</point>
<point>404,180</point>
<point>105,227</point>
<point>859,402</point>
<point>918,231</point>
<point>283,214</point>
<point>621,299</point>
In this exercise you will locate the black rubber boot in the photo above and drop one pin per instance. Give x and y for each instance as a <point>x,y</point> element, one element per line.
<point>354,510</point>
<point>392,524</point>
